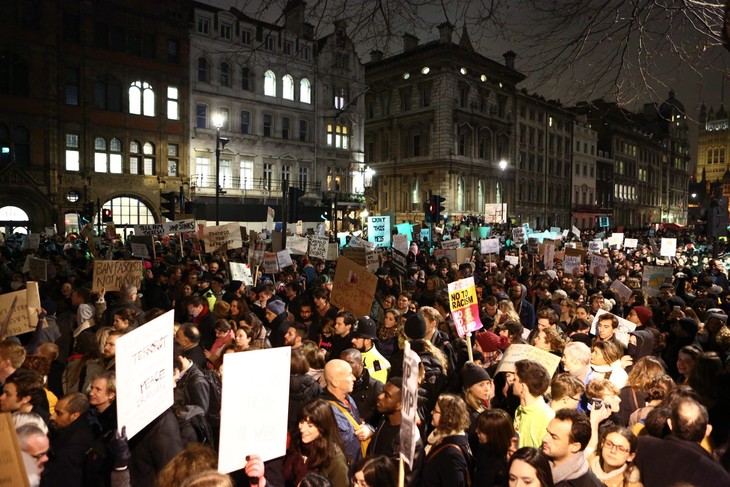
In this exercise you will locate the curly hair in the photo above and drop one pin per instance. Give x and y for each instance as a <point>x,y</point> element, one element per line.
<point>454,416</point>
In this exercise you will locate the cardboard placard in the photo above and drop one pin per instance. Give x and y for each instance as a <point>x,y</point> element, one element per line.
<point>353,288</point>
<point>222,237</point>
<point>271,265</point>
<point>409,434</point>
<point>38,269</point>
<point>318,247</point>
<point>113,274</point>
<point>333,251</point>
<point>11,458</point>
<point>515,353</point>
<point>19,310</point>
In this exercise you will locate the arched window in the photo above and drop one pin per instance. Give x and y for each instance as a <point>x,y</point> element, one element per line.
<point>246,80</point>
<point>269,83</point>
<point>203,70</point>
<point>415,195</point>
<point>141,99</point>
<point>460,194</point>
<point>108,93</point>
<point>148,149</point>
<point>305,91</point>
<point>14,146</point>
<point>225,74</point>
<point>480,196</point>
<point>287,87</point>
<point>15,214</point>
<point>128,212</point>
<point>13,75</point>
<point>107,157</point>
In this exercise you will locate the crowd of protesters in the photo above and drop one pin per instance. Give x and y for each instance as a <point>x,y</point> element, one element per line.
<point>652,411</point>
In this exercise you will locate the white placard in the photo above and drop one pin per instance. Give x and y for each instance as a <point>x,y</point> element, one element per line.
<point>495,212</point>
<point>451,244</point>
<point>297,245</point>
<point>253,423</point>
<point>616,239</point>
<point>622,289</point>
<point>599,265</point>
<point>139,250</point>
<point>622,332</point>
<point>271,264</point>
<point>409,399</point>
<point>517,352</point>
<point>50,231</point>
<point>300,227</point>
<point>549,255</point>
<point>270,213</point>
<point>669,247</point>
<point>400,242</point>
<point>144,373</point>
<point>595,246</point>
<point>216,237</point>
<point>166,228</point>
<point>575,231</point>
<point>489,246</point>
<point>372,261</point>
<point>379,230</point>
<point>318,247</point>
<point>631,243</point>
<point>283,258</point>
<point>512,259</point>
<point>241,272</point>
<point>518,235</point>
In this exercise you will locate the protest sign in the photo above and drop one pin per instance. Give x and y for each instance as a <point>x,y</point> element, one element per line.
<point>113,274</point>
<point>595,246</point>
<point>270,213</point>
<point>283,258</point>
<point>549,255</point>
<point>599,265</point>
<point>276,241</point>
<point>50,231</point>
<point>19,310</point>
<point>241,272</point>
<point>379,230</point>
<point>353,288</point>
<point>489,246</point>
<point>464,306</point>
<point>425,234</point>
<point>11,458</point>
<point>463,254</point>
<point>409,434</point>
<point>631,243</point>
<point>297,245</point>
<point>616,239</point>
<point>144,373</point>
<point>333,251</point>
<point>31,241</point>
<point>405,229</point>
<point>484,232</point>
<point>495,212</point>
<point>166,228</point>
<point>653,277</point>
<point>270,264</point>
<point>669,247</point>
<point>318,247</point>
<point>622,289</point>
<point>145,240</point>
<point>252,423</point>
<point>357,241</point>
<point>398,259</point>
<point>518,235</point>
<point>372,261</point>
<point>515,353</point>
<point>555,230</point>
<point>400,242</point>
<point>533,246</point>
<point>300,227</point>
<point>512,259</point>
<point>451,244</point>
<point>356,254</point>
<point>139,250</point>
<point>222,236</point>
<point>38,269</point>
<point>575,231</point>
<point>622,332</point>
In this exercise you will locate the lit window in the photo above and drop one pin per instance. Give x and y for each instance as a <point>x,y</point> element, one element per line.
<point>269,83</point>
<point>172,103</point>
<point>338,137</point>
<point>246,177</point>
<point>305,91</point>
<point>135,157</point>
<point>72,152</point>
<point>287,87</point>
<point>141,99</point>
<point>202,168</point>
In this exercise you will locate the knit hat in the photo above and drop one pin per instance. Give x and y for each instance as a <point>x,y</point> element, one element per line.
<point>644,314</point>
<point>234,286</point>
<point>415,327</point>
<point>716,313</point>
<point>491,342</point>
<point>473,374</point>
<point>277,307</point>
<point>365,328</point>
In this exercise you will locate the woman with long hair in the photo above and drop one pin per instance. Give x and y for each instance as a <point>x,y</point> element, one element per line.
<point>530,466</point>
<point>316,447</point>
<point>633,394</point>
<point>376,471</point>
<point>388,333</point>
<point>612,461</point>
<point>495,432</point>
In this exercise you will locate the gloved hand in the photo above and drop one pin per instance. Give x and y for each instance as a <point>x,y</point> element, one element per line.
<point>120,449</point>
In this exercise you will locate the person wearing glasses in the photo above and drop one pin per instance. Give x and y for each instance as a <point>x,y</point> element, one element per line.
<point>376,471</point>
<point>612,462</point>
<point>566,391</point>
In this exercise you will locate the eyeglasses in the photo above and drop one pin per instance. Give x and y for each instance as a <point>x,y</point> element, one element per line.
<point>613,446</point>
<point>40,455</point>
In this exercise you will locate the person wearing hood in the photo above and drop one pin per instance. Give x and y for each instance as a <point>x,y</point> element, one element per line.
<point>517,293</point>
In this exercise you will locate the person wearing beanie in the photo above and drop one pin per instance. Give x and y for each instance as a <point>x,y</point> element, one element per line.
<point>278,320</point>
<point>477,390</point>
<point>363,339</point>
<point>641,316</point>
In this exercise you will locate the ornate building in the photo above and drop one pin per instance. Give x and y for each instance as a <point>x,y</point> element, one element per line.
<point>439,119</point>
<point>585,199</point>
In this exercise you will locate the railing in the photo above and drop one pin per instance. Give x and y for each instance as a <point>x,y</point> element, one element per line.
<point>256,185</point>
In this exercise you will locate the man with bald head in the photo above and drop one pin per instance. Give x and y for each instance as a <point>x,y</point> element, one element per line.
<point>366,389</point>
<point>71,438</point>
<point>680,457</point>
<point>354,432</point>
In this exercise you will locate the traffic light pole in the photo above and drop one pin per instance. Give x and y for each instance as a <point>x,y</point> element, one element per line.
<point>217,174</point>
<point>98,217</point>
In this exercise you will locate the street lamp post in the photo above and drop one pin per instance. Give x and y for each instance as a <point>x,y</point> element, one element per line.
<point>217,123</point>
<point>502,167</point>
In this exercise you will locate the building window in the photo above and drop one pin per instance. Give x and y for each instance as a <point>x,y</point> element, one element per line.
<point>246,178</point>
<point>135,157</point>
<point>268,125</point>
<point>173,111</point>
<point>246,37</point>
<point>405,99</point>
<point>115,156</point>
<point>225,174</point>
<point>202,168</point>
<point>203,70</point>
<point>13,74</point>
<point>225,114</point>
<point>141,99</point>
<point>201,116</point>
<point>245,122</point>
<point>287,87</point>
<point>305,91</point>
<point>337,137</point>
<point>285,127</point>
<point>108,94</point>
<point>246,79</point>
<point>285,173</point>
<point>100,155</point>
<point>303,131</point>
<point>268,175</point>
<point>269,83</point>
<point>173,152</point>
<point>107,158</point>
<point>72,86</point>
<point>225,78</point>
<point>305,53</point>
<point>339,97</point>
<point>415,195</point>
<point>173,50</point>
<point>288,47</point>
<point>416,145</point>
<point>149,158</point>
<point>72,152</point>
<point>463,95</point>
<point>270,42</point>
<point>303,177</point>
<point>424,92</point>
<point>203,25</point>
<point>225,31</point>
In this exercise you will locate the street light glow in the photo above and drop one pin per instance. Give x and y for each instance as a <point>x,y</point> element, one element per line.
<point>503,164</point>
<point>218,120</point>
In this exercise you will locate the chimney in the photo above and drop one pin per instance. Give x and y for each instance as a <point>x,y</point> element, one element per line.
<point>376,55</point>
<point>509,59</point>
<point>410,42</point>
<point>294,16</point>
<point>445,31</point>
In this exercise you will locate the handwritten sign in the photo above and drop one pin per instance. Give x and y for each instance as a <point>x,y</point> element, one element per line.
<point>622,332</point>
<point>572,261</point>
<point>372,261</point>
<point>318,247</point>
<point>599,265</point>
<point>451,244</point>
<point>252,423</point>
<point>333,251</point>
<point>616,239</point>
<point>515,353</point>
<point>409,399</point>
<point>489,246</point>
<point>549,255</point>
<point>353,288</point>
<point>11,458</point>
<point>297,245</point>
<point>622,289</point>
<point>283,258</point>
<point>495,212</point>
<point>167,228</point>
<point>575,231</point>
<point>400,242</point>
<point>631,243</point>
<point>512,259</point>
<point>653,277</point>
<point>38,269</point>
<point>139,250</point>
<point>271,265</point>
<point>379,230</point>
<point>241,272</point>
<point>356,254</point>
<point>144,373</point>
<point>464,306</point>
<point>669,247</point>
<point>24,316</point>
<point>227,236</point>
<point>113,274</point>
<point>518,235</point>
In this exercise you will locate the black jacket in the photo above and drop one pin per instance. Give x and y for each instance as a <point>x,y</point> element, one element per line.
<point>365,393</point>
<point>588,479</point>
<point>153,448</point>
<point>68,464</point>
<point>303,389</point>
<point>448,463</point>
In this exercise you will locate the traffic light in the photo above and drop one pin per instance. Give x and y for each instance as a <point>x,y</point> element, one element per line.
<point>429,211</point>
<point>168,201</point>
<point>326,209</point>
<point>87,214</point>
<point>107,216</point>
<point>438,202</point>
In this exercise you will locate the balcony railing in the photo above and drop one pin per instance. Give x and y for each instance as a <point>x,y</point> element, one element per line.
<point>204,184</point>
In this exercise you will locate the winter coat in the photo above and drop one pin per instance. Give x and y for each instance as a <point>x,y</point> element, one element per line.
<point>153,448</point>
<point>448,463</point>
<point>303,389</point>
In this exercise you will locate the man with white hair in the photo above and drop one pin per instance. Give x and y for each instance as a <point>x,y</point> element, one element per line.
<point>577,362</point>
<point>34,445</point>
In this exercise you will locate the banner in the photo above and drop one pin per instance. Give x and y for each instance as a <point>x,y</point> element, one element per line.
<point>19,310</point>
<point>409,434</point>
<point>489,246</point>
<point>227,236</point>
<point>113,274</point>
<point>241,272</point>
<point>252,423</point>
<point>379,230</point>
<point>515,353</point>
<point>622,332</point>
<point>144,373</point>
<point>353,288</point>
<point>654,277</point>
<point>167,228</point>
<point>464,306</point>
<point>318,247</point>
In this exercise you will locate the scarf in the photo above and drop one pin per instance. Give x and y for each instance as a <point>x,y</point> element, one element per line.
<point>388,333</point>
<point>595,465</point>
<point>572,468</point>
<point>438,435</point>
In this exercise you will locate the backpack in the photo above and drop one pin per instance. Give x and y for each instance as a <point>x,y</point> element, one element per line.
<point>213,414</point>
